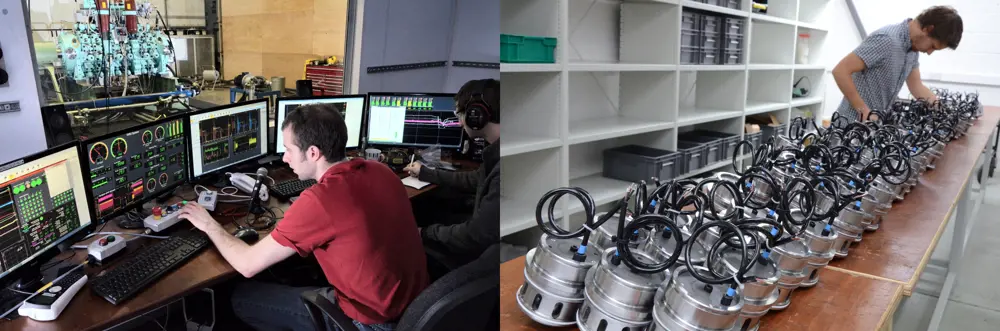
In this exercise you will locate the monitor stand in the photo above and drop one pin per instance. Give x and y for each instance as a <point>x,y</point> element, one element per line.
<point>269,160</point>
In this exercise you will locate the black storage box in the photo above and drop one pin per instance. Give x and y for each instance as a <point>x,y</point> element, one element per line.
<point>713,146</point>
<point>634,163</point>
<point>728,141</point>
<point>695,156</point>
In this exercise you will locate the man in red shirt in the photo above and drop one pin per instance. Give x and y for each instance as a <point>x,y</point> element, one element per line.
<point>356,220</point>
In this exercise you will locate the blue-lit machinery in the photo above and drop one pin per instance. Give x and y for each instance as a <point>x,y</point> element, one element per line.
<point>114,43</point>
<point>116,56</point>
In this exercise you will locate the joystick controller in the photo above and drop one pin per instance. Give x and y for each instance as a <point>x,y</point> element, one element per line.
<point>164,217</point>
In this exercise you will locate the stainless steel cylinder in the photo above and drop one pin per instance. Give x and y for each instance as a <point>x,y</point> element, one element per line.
<point>602,238</point>
<point>661,248</point>
<point>846,234</point>
<point>616,298</point>
<point>820,240</point>
<point>685,303</point>
<point>554,282</point>
<point>852,215</point>
<point>784,296</point>
<point>791,259</point>
<point>759,294</point>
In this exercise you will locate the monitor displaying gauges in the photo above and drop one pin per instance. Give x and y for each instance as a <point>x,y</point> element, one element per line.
<point>129,167</point>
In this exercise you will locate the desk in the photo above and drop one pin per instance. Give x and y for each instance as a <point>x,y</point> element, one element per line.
<point>88,311</point>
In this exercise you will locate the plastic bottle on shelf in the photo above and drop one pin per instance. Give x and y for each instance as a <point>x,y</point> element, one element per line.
<point>802,49</point>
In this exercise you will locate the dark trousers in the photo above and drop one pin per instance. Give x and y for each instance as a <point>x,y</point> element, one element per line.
<point>269,306</point>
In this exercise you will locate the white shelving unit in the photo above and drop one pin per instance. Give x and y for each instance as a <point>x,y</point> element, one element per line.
<point>617,81</point>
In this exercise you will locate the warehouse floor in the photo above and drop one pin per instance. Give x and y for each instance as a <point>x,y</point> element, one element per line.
<point>974,303</point>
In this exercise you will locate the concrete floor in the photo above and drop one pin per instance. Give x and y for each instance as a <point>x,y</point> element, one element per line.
<point>974,303</point>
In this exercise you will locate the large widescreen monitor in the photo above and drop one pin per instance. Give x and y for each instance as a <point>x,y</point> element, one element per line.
<point>228,135</point>
<point>413,120</point>
<point>351,108</point>
<point>43,202</point>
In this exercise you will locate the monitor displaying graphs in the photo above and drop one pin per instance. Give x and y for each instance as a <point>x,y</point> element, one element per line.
<point>416,120</point>
<point>228,135</point>
<point>350,107</point>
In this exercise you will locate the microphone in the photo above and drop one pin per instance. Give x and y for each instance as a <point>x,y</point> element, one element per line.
<point>255,207</point>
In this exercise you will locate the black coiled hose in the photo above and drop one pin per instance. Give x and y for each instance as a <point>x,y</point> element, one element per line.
<point>644,221</point>
<point>724,227</point>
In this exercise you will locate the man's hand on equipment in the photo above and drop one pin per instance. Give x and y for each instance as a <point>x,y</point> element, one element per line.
<point>198,216</point>
<point>863,113</point>
<point>413,169</point>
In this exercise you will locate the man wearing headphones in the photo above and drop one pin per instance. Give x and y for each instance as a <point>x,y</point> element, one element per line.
<point>477,105</point>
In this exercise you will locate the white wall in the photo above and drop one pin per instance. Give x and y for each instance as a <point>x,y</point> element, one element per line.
<point>23,132</point>
<point>841,39</point>
<point>971,67</point>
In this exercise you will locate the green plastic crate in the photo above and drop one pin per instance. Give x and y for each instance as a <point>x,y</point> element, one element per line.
<point>527,49</point>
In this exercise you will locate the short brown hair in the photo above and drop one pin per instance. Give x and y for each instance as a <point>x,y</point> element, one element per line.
<point>319,125</point>
<point>945,22</point>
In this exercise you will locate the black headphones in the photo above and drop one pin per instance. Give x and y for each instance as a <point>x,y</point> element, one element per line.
<point>477,112</point>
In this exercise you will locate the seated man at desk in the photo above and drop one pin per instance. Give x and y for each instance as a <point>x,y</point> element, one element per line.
<point>357,222</point>
<point>477,106</point>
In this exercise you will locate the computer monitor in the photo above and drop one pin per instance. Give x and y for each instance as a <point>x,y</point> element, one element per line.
<point>351,107</point>
<point>129,167</point>
<point>43,202</point>
<point>413,120</point>
<point>228,135</point>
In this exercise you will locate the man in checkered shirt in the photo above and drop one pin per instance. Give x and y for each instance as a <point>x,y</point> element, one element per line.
<point>872,75</point>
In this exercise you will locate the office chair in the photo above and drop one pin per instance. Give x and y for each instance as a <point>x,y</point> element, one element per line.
<point>466,298</point>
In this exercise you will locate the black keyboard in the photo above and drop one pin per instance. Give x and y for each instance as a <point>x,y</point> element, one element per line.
<point>148,265</point>
<point>290,188</point>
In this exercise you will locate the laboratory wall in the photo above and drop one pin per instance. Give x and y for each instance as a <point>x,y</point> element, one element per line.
<point>276,38</point>
<point>22,129</point>
<point>404,32</point>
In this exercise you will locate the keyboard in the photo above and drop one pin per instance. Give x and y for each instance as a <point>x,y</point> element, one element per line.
<point>290,188</point>
<point>148,265</point>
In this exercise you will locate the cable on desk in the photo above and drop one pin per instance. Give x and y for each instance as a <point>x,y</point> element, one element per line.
<point>43,288</point>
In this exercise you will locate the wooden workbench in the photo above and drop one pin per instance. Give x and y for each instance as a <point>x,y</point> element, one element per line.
<point>902,246</point>
<point>863,290</point>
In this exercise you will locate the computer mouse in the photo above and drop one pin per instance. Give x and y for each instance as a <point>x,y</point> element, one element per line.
<point>248,235</point>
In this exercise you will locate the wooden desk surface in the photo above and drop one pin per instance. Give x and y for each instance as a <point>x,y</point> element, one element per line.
<point>900,249</point>
<point>848,302</point>
<point>840,301</point>
<point>87,311</point>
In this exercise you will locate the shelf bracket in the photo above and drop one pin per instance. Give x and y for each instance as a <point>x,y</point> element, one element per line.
<point>473,64</point>
<point>404,67</point>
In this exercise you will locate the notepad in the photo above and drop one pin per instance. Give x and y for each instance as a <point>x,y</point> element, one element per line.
<point>414,182</point>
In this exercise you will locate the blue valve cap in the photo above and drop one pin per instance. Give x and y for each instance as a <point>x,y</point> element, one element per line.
<point>774,232</point>
<point>730,292</point>
<point>583,250</point>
